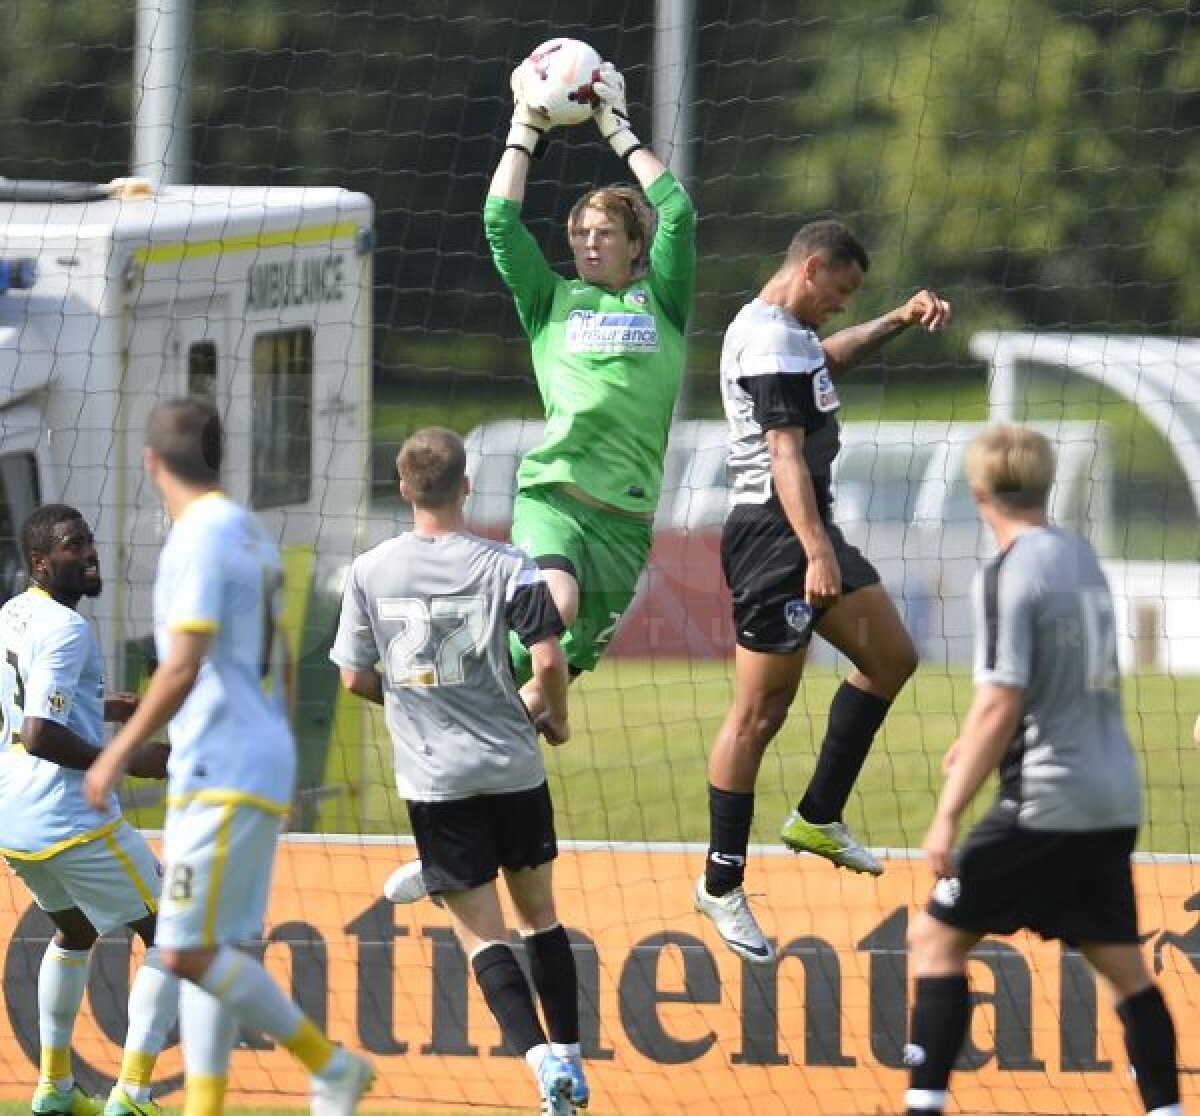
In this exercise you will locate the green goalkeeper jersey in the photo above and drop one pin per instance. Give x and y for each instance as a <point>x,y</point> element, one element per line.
<point>608,364</point>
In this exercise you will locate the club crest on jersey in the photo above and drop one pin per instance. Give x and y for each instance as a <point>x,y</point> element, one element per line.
<point>57,702</point>
<point>825,395</point>
<point>799,615</point>
<point>591,331</point>
<point>637,296</point>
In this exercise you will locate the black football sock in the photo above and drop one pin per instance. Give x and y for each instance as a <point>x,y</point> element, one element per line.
<point>854,719</point>
<point>552,965</point>
<point>936,1031</point>
<point>508,997</point>
<point>730,814</point>
<point>1150,1043</point>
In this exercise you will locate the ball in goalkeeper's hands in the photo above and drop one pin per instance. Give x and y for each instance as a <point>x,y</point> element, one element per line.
<point>556,80</point>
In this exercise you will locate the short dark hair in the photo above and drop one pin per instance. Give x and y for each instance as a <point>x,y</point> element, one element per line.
<point>832,241</point>
<point>432,463</point>
<point>186,436</point>
<point>37,532</point>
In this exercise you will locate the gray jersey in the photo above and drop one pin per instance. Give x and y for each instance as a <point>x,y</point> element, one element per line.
<point>434,614</point>
<point>1044,623</point>
<point>773,374</point>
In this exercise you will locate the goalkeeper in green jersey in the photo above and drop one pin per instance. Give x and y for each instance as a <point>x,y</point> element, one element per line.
<point>608,356</point>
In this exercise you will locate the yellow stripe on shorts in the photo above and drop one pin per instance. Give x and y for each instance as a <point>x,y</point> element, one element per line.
<point>126,863</point>
<point>220,856</point>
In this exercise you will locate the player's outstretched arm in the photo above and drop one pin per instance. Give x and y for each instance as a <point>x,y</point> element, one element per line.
<point>849,346</point>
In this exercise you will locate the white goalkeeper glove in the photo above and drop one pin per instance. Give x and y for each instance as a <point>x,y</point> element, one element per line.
<point>612,114</point>
<point>528,124</point>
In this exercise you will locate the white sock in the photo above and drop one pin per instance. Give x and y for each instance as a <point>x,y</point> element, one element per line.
<point>246,989</point>
<point>153,1010</point>
<point>536,1055</point>
<point>62,980</point>
<point>207,1030</point>
<point>567,1050</point>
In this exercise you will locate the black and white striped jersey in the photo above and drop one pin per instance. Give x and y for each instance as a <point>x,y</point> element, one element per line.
<point>774,374</point>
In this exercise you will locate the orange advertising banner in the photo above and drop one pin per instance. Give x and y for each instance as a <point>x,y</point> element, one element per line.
<point>672,1022</point>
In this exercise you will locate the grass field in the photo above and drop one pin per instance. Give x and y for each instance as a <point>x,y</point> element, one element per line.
<point>635,768</point>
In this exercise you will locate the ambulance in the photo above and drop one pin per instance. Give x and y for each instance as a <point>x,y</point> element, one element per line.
<point>117,296</point>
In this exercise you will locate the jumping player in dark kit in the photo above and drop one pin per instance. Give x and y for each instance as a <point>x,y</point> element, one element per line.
<point>791,570</point>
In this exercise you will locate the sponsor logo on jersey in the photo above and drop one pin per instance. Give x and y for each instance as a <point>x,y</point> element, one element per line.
<point>799,615</point>
<point>590,331</point>
<point>825,395</point>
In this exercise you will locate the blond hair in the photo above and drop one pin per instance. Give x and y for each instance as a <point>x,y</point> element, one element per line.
<point>624,205</point>
<point>1013,465</point>
<point>432,463</point>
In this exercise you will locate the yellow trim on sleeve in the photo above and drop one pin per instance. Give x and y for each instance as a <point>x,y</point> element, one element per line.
<point>69,843</point>
<point>126,862</point>
<point>199,627</point>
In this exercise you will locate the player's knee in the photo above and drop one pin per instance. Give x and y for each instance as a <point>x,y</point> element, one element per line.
<point>761,720</point>
<point>933,947</point>
<point>187,964</point>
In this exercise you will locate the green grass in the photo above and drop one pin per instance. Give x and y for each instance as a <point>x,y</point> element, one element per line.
<point>635,768</point>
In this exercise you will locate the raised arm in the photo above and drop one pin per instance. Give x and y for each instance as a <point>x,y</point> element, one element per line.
<point>848,346</point>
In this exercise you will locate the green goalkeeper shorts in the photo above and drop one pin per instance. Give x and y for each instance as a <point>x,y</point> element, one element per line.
<point>605,550</point>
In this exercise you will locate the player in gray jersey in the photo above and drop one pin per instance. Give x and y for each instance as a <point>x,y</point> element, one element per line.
<point>424,632</point>
<point>1053,854</point>
<point>790,569</point>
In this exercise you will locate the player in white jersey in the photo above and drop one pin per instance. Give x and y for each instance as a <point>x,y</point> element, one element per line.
<point>434,607</point>
<point>88,869</point>
<point>216,611</point>
<point>790,569</point>
<point>1053,853</point>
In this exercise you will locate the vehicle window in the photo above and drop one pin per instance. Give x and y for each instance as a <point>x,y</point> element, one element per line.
<point>879,482</point>
<point>283,416</point>
<point>202,371</point>
<point>19,495</point>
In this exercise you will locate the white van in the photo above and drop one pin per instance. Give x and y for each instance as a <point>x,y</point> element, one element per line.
<point>900,494</point>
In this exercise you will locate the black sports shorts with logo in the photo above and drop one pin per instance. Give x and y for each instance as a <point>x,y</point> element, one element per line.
<point>1073,886</point>
<point>464,842</point>
<point>765,565</point>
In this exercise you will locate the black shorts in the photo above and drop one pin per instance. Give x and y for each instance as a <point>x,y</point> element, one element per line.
<point>764,566</point>
<point>463,843</point>
<point>1077,887</point>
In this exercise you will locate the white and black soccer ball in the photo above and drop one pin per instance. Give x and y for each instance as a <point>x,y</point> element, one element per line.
<point>558,81</point>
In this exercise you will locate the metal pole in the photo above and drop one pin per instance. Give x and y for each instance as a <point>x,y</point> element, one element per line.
<point>162,91</point>
<point>672,105</point>
<point>672,123</point>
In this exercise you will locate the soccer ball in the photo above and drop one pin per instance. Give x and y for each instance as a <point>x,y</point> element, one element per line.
<point>558,80</point>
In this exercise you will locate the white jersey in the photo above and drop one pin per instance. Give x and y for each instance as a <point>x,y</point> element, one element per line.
<point>220,573</point>
<point>50,668</point>
<point>774,374</point>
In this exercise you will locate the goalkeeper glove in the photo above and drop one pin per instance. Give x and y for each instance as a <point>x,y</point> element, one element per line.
<point>528,125</point>
<point>612,115</point>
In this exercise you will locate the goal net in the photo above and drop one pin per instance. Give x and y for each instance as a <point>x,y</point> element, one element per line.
<point>321,272</point>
